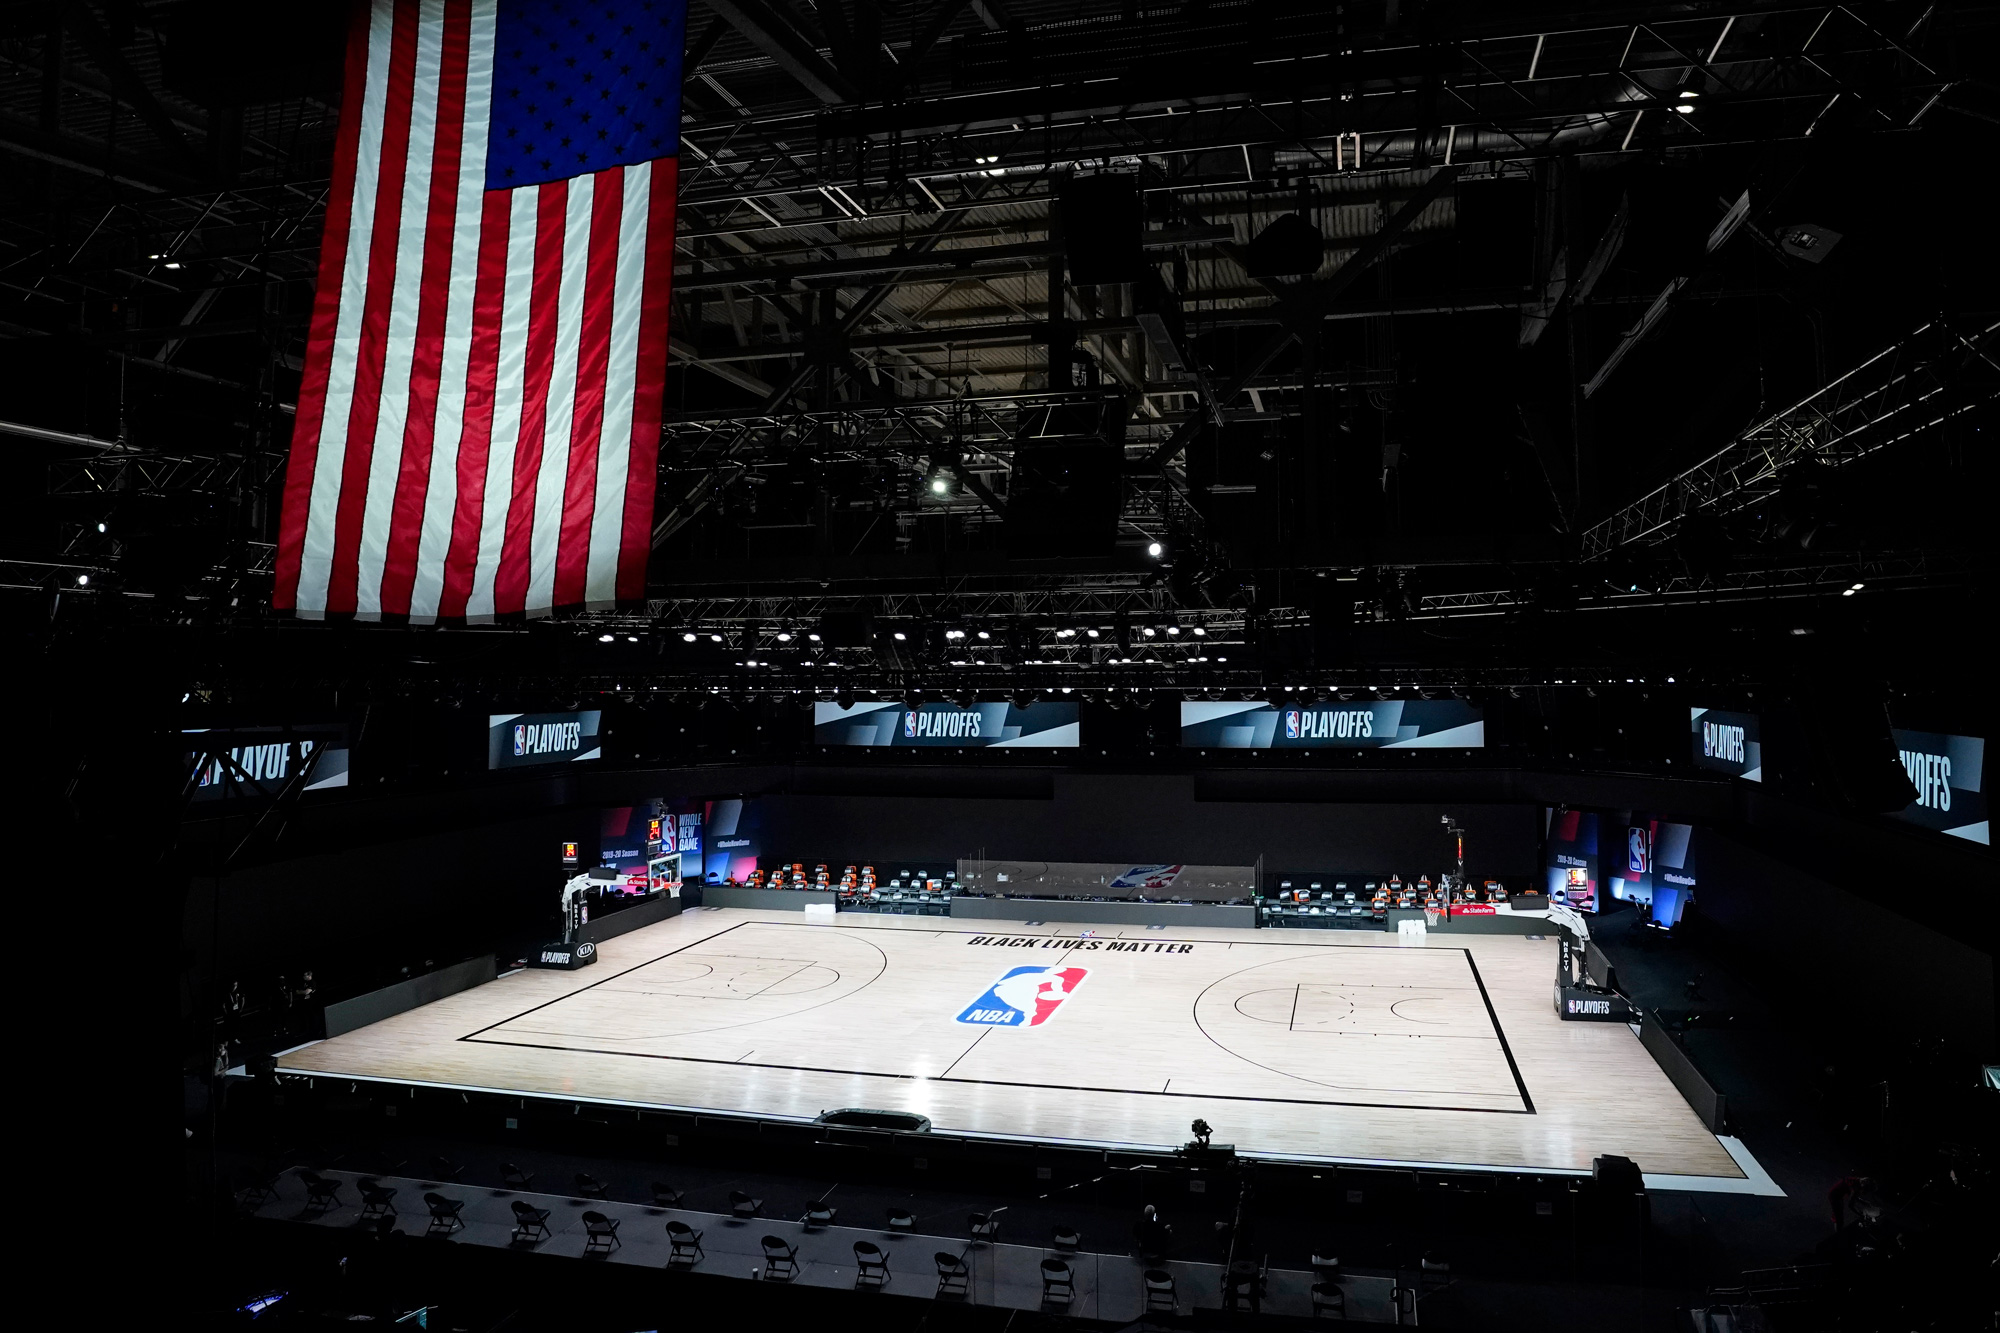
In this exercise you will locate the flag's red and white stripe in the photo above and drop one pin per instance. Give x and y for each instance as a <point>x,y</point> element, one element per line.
<point>479,418</point>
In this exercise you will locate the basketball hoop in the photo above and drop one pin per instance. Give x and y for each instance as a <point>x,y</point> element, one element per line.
<point>1431,915</point>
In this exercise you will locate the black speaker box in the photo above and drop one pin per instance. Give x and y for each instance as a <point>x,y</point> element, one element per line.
<point>1063,499</point>
<point>1101,226</point>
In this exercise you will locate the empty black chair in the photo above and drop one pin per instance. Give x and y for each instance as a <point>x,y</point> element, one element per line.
<point>954,1277</point>
<point>259,1188</point>
<point>590,1187</point>
<point>743,1205</point>
<point>984,1226</point>
<point>818,1215</point>
<point>322,1192</point>
<point>1434,1272</point>
<point>781,1259</point>
<point>600,1234</point>
<point>686,1242</point>
<point>1329,1301</point>
<point>1325,1267</point>
<point>445,1217</point>
<point>1066,1239</point>
<point>531,1224</point>
<point>514,1178</point>
<point>871,1266</point>
<point>377,1200</point>
<point>1160,1293</point>
<point>1244,1282</point>
<point>665,1195</point>
<point>1058,1283</point>
<point>902,1219</point>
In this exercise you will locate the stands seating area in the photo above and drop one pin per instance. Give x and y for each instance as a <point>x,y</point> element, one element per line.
<point>1329,902</point>
<point>861,888</point>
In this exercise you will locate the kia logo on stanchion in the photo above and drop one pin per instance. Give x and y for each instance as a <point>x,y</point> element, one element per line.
<point>586,950</point>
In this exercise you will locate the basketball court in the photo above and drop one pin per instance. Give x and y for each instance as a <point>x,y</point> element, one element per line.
<point>1358,1048</point>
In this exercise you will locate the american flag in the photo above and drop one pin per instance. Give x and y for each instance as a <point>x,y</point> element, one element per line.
<point>479,418</point>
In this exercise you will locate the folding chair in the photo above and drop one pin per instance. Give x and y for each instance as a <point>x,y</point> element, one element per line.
<point>954,1276</point>
<point>258,1189</point>
<point>377,1200</point>
<point>321,1192</point>
<point>665,1195</point>
<point>902,1219</point>
<point>781,1259</point>
<point>818,1215</point>
<point>445,1217</point>
<point>1058,1283</point>
<point>600,1234</point>
<point>984,1226</point>
<point>590,1187</point>
<point>1329,1301</point>
<point>743,1205</point>
<point>531,1224</point>
<point>1160,1293</point>
<point>1434,1272</point>
<point>686,1243</point>
<point>1067,1239</point>
<point>871,1266</point>
<point>514,1178</point>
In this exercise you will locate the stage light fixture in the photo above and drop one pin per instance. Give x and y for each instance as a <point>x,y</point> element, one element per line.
<point>784,638</point>
<point>1155,550</point>
<point>604,638</point>
<point>1851,591</point>
<point>1173,629</point>
<point>813,637</point>
<point>100,527</point>
<point>1149,632</point>
<point>83,580</point>
<point>984,635</point>
<point>687,638</point>
<point>900,636</point>
<point>1200,633</point>
<point>631,638</point>
<point>1091,632</point>
<point>715,638</point>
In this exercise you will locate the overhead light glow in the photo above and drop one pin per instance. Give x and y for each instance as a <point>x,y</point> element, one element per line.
<point>83,580</point>
<point>689,637</point>
<point>1155,550</point>
<point>604,638</point>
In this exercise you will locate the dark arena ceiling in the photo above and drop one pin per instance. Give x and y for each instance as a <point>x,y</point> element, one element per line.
<point>1625,341</point>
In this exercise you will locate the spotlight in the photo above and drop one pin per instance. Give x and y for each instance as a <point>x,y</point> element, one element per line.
<point>1091,632</point>
<point>604,638</point>
<point>1155,550</point>
<point>1148,631</point>
<point>1200,633</point>
<point>1173,629</point>
<point>984,635</point>
<point>900,636</point>
<point>813,637</point>
<point>689,637</point>
<point>100,527</point>
<point>631,638</point>
<point>784,638</point>
<point>715,638</point>
<point>82,580</point>
<point>1851,591</point>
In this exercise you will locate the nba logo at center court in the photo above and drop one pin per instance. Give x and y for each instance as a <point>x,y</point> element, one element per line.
<point>1026,997</point>
<point>520,738</point>
<point>1291,724</point>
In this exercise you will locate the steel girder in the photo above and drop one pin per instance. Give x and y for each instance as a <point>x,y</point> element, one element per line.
<point>1935,373</point>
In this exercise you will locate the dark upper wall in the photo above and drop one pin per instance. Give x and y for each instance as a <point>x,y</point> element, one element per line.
<point>1117,817</point>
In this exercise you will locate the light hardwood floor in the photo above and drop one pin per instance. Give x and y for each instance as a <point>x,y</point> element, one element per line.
<point>1299,1044</point>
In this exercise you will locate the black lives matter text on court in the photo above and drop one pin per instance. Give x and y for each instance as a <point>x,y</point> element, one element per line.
<point>1058,942</point>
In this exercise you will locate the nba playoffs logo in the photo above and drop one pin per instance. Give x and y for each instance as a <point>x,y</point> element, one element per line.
<point>1026,997</point>
<point>1291,724</point>
<point>910,723</point>
<point>520,738</point>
